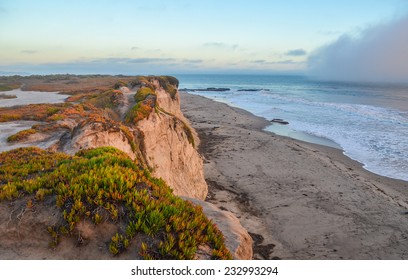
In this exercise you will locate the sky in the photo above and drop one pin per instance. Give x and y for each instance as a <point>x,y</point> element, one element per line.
<point>185,36</point>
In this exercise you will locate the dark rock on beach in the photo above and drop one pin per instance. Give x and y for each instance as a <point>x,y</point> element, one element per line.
<point>279,121</point>
<point>205,89</point>
<point>253,89</point>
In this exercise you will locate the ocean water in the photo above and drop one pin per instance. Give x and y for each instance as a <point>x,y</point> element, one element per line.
<point>369,122</point>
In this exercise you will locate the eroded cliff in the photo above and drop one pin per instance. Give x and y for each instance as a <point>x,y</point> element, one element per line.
<point>141,117</point>
<point>170,143</point>
<point>147,115</point>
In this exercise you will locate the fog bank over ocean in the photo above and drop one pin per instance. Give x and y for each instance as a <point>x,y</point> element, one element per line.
<point>376,54</point>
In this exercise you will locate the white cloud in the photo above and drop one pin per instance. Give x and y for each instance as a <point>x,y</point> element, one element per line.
<point>296,52</point>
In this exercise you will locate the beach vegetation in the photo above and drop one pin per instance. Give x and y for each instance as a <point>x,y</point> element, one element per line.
<point>119,84</point>
<point>108,99</point>
<point>139,112</point>
<point>7,96</point>
<point>169,84</point>
<point>143,93</point>
<point>32,112</point>
<point>189,133</point>
<point>105,185</point>
<point>21,135</point>
<point>8,87</point>
<point>146,102</point>
<point>80,97</point>
<point>143,81</point>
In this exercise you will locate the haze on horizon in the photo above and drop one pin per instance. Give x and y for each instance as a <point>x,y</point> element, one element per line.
<point>346,40</point>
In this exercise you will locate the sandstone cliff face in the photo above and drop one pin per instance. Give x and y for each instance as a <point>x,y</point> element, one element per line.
<point>93,135</point>
<point>170,152</point>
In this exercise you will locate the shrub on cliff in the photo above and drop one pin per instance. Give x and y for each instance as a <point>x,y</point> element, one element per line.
<point>108,99</point>
<point>140,111</point>
<point>143,93</point>
<point>170,80</point>
<point>105,185</point>
<point>145,99</point>
<point>120,84</point>
<point>169,84</point>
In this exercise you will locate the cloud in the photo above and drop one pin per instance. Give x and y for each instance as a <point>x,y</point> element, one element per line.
<point>112,60</point>
<point>127,66</point>
<point>29,51</point>
<point>214,44</point>
<point>287,61</point>
<point>296,52</point>
<point>150,60</point>
<point>220,45</point>
<point>127,60</point>
<point>134,48</point>
<point>112,65</point>
<point>377,54</point>
<point>261,61</point>
<point>193,61</point>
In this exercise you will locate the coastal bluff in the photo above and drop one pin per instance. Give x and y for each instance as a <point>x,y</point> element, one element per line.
<point>140,120</point>
<point>154,123</point>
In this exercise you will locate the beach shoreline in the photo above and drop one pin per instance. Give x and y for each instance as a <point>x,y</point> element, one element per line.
<point>298,200</point>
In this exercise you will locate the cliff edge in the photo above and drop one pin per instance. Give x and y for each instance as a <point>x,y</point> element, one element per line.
<point>141,118</point>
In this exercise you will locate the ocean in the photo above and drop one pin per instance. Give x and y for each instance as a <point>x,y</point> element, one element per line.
<point>368,121</point>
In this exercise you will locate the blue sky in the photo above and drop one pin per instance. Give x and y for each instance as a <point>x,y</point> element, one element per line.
<point>179,36</point>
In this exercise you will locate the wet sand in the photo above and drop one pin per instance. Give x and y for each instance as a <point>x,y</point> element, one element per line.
<point>297,200</point>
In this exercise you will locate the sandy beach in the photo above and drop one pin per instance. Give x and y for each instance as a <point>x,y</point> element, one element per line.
<point>297,200</point>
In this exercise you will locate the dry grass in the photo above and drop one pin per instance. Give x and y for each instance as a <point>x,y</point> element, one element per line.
<point>35,112</point>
